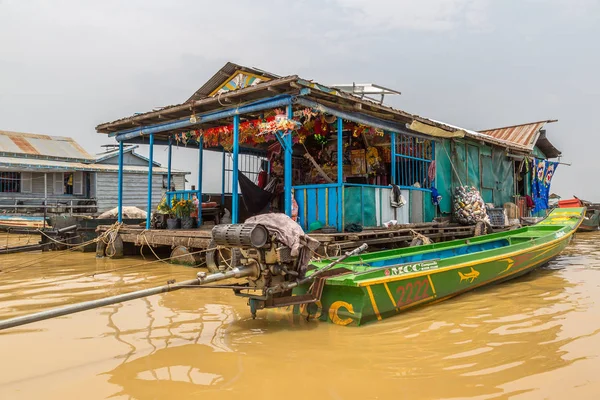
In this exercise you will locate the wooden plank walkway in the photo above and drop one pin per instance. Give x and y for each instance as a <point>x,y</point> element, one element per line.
<point>331,243</point>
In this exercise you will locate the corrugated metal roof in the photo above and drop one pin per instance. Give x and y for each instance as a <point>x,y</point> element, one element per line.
<point>525,135</point>
<point>42,145</point>
<point>27,164</point>
<point>112,153</point>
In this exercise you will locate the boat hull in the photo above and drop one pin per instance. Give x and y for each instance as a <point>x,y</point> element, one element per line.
<point>391,289</point>
<point>8,222</point>
<point>591,222</point>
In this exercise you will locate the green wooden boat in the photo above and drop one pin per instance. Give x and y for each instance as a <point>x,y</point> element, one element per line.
<point>378,285</point>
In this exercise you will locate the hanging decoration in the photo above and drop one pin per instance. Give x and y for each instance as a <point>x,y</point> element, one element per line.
<point>360,129</point>
<point>373,160</point>
<point>259,130</point>
<point>542,172</point>
<point>280,124</point>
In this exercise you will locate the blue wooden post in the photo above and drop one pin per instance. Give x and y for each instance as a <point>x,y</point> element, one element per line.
<point>169,170</point>
<point>393,156</point>
<point>287,170</point>
<point>200,163</point>
<point>223,180</point>
<point>340,173</point>
<point>234,179</point>
<point>120,190</point>
<point>150,164</point>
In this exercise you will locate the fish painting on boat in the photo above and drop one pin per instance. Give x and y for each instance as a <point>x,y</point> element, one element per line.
<point>369,287</point>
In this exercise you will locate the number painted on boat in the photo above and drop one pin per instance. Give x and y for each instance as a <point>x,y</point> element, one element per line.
<point>412,292</point>
<point>334,311</point>
<point>560,234</point>
<point>410,268</point>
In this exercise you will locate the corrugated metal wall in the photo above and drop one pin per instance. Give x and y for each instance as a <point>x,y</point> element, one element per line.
<point>470,163</point>
<point>135,190</point>
<point>37,189</point>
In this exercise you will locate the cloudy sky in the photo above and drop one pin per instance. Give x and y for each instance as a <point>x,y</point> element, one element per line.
<point>66,65</point>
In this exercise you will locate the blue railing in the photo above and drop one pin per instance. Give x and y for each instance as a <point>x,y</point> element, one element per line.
<point>182,194</point>
<point>411,160</point>
<point>367,205</point>
<point>318,203</point>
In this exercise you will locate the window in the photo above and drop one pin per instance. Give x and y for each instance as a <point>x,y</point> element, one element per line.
<point>413,161</point>
<point>68,183</point>
<point>10,182</point>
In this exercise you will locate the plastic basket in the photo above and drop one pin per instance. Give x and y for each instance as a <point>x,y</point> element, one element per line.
<point>496,216</point>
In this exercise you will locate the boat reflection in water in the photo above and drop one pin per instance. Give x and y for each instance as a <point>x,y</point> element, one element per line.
<point>472,346</point>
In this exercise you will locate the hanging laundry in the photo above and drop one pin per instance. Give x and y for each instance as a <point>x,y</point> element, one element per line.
<point>396,199</point>
<point>431,171</point>
<point>542,174</point>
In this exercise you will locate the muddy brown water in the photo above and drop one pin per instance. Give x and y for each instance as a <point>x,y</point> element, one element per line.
<point>532,338</point>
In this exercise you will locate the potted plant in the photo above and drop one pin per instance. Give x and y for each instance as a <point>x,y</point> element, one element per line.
<point>163,212</point>
<point>172,222</point>
<point>183,209</point>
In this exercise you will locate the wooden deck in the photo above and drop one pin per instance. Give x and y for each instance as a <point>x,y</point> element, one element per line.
<point>331,243</point>
<point>398,235</point>
<point>193,238</point>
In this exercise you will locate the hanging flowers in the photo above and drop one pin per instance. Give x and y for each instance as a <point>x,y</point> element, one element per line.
<point>279,124</point>
<point>260,131</point>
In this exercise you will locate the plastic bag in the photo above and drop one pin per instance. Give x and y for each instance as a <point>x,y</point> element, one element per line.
<point>469,207</point>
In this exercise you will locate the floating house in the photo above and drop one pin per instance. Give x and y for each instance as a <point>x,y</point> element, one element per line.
<point>331,156</point>
<point>38,170</point>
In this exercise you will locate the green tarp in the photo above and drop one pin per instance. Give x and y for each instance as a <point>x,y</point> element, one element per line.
<point>489,170</point>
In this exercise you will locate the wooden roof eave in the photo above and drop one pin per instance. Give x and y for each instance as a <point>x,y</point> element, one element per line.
<point>234,98</point>
<point>367,104</point>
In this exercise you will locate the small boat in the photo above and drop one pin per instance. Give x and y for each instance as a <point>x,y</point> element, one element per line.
<point>21,222</point>
<point>591,221</point>
<point>378,285</point>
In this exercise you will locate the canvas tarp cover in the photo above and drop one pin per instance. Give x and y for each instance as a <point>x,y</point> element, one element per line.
<point>435,131</point>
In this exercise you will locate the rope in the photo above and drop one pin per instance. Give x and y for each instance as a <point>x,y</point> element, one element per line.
<point>452,164</point>
<point>417,235</point>
<point>150,247</point>
<point>104,237</point>
<point>223,258</point>
<point>149,262</point>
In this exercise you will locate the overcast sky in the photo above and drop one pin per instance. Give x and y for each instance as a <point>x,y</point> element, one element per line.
<point>66,66</point>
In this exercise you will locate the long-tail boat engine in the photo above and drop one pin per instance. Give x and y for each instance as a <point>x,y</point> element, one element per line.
<point>258,249</point>
<point>273,257</point>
